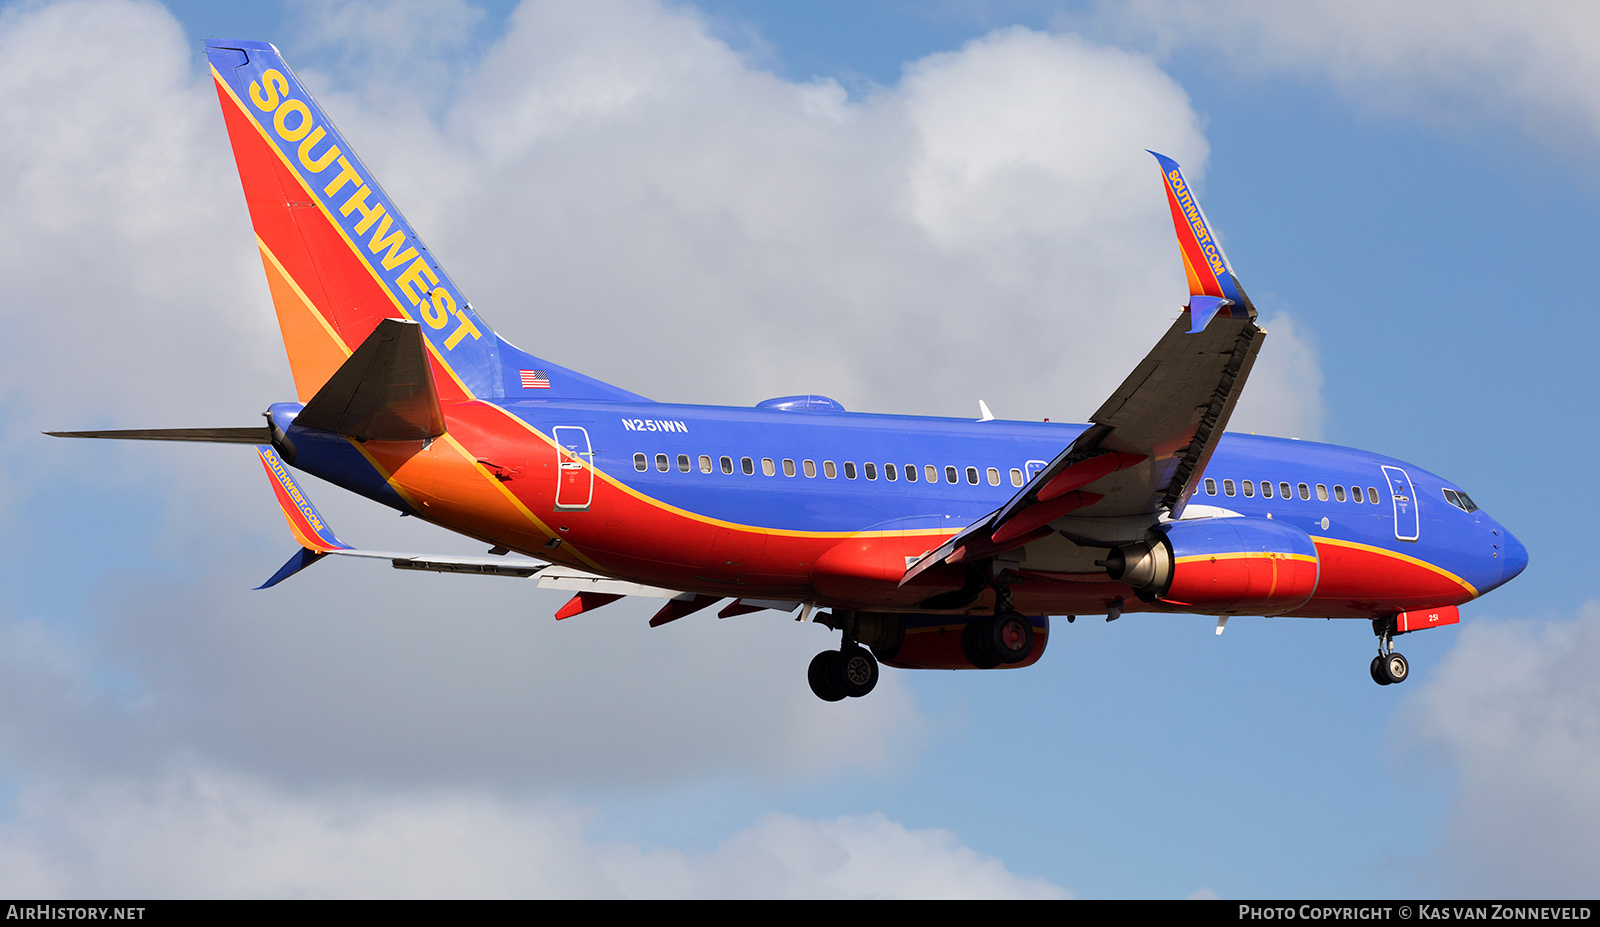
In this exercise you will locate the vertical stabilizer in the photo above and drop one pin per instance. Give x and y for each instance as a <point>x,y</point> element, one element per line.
<point>340,258</point>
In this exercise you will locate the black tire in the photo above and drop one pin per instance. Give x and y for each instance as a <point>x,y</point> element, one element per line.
<point>1378,675</point>
<point>972,644</point>
<point>1395,668</point>
<point>817,675</point>
<point>1008,637</point>
<point>852,671</point>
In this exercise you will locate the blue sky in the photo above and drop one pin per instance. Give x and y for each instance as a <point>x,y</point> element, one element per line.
<point>657,195</point>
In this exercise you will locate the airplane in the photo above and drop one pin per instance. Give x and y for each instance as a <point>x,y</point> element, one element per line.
<point>926,543</point>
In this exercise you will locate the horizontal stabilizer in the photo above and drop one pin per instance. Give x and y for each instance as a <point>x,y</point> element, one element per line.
<point>258,434</point>
<point>383,392</point>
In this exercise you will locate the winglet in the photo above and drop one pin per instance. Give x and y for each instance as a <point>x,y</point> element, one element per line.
<point>305,523</point>
<point>1212,284</point>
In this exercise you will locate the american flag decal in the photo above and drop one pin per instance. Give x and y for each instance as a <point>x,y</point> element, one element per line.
<point>535,379</point>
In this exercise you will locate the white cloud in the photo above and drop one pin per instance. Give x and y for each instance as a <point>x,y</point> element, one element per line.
<point>204,834</point>
<point>1284,394</point>
<point>359,673</point>
<point>990,227</point>
<point>1514,710</point>
<point>125,247</point>
<point>1538,61</point>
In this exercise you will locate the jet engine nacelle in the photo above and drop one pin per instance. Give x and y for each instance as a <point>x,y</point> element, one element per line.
<point>913,641</point>
<point>1222,566</point>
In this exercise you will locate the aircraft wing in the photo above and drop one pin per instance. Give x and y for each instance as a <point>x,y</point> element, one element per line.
<point>1139,460</point>
<point>317,540</point>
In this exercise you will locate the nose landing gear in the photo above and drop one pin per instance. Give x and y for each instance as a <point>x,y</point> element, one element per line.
<point>1388,667</point>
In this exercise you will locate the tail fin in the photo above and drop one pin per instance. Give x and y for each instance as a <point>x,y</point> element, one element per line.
<point>1212,285</point>
<point>339,256</point>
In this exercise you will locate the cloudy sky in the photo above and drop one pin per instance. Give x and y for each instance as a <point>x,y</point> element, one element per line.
<point>908,207</point>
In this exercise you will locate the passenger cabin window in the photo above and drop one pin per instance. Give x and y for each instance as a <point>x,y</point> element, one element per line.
<point>1283,491</point>
<point>850,469</point>
<point>1249,489</point>
<point>727,464</point>
<point>1266,490</point>
<point>1305,491</point>
<point>1322,493</point>
<point>810,468</point>
<point>683,463</point>
<point>829,471</point>
<point>1372,495</point>
<point>931,472</point>
<point>1227,487</point>
<point>705,464</point>
<point>1211,486</point>
<point>911,473</point>
<point>1016,477</point>
<point>891,472</point>
<point>788,467</point>
<point>767,467</point>
<point>1338,493</point>
<point>972,475</point>
<point>950,475</point>
<point>1355,494</point>
<point>748,466</point>
<point>661,463</point>
<point>640,462</point>
<point>872,470</point>
<point>994,476</point>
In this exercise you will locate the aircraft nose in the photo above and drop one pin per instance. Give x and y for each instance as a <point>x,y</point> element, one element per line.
<point>1513,556</point>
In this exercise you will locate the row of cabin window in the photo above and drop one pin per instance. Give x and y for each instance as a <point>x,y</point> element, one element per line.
<point>891,472</point>
<point>1285,492</point>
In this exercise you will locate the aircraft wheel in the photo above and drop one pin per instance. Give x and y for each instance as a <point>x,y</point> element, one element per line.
<point>1378,675</point>
<point>817,674</point>
<point>972,646</point>
<point>1395,668</point>
<point>1008,637</point>
<point>852,671</point>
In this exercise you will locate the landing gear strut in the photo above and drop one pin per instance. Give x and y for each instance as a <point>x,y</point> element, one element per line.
<point>849,672</point>
<point>1388,667</point>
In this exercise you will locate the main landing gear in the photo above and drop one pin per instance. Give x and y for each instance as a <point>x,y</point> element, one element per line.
<point>1388,667</point>
<point>1005,637</point>
<point>849,672</point>
<point>1002,638</point>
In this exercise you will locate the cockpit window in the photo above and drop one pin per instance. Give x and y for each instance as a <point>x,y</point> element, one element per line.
<point>1460,500</point>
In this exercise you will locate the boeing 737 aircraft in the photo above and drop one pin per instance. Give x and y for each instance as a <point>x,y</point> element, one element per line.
<point>927,543</point>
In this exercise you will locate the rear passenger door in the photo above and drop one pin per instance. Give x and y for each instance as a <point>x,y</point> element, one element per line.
<point>575,476</point>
